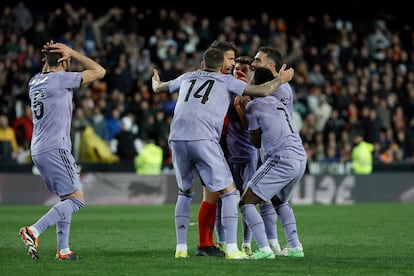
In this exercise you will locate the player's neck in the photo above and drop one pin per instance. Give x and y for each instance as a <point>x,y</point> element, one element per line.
<point>52,69</point>
<point>209,70</point>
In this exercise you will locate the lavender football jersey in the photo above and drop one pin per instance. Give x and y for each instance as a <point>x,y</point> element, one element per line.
<point>279,134</point>
<point>284,93</point>
<point>202,104</point>
<point>238,140</point>
<point>51,101</point>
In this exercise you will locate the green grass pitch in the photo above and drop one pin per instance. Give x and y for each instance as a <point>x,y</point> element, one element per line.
<point>359,239</point>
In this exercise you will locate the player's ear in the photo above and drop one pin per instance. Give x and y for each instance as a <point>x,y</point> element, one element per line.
<point>65,65</point>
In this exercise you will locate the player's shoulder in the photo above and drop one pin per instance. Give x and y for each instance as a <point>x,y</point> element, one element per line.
<point>285,87</point>
<point>254,102</point>
<point>268,100</point>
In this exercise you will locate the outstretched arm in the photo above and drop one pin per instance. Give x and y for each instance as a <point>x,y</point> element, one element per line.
<point>157,84</point>
<point>267,88</point>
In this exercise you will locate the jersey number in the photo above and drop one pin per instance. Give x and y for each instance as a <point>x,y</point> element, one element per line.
<point>202,92</point>
<point>38,106</point>
<point>287,117</point>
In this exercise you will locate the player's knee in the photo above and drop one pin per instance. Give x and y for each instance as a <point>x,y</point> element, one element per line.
<point>186,192</point>
<point>211,197</point>
<point>228,189</point>
<point>76,203</point>
<point>280,204</point>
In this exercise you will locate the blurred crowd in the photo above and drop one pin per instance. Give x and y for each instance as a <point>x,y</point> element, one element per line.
<point>351,78</point>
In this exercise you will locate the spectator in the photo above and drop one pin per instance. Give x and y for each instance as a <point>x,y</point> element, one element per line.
<point>9,146</point>
<point>125,141</point>
<point>97,121</point>
<point>149,160</point>
<point>322,113</point>
<point>23,128</point>
<point>93,149</point>
<point>23,18</point>
<point>114,123</point>
<point>371,65</point>
<point>362,156</point>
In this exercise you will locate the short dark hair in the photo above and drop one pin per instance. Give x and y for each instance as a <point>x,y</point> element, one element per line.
<point>224,46</point>
<point>213,58</point>
<point>52,58</point>
<point>244,60</point>
<point>262,75</point>
<point>274,55</point>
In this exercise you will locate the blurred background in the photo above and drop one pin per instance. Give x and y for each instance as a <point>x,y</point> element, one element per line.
<point>354,81</point>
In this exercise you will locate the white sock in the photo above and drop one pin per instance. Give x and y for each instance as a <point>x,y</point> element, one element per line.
<point>181,247</point>
<point>273,242</point>
<point>231,248</point>
<point>64,251</point>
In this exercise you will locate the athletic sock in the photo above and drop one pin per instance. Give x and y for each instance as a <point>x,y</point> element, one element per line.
<point>206,220</point>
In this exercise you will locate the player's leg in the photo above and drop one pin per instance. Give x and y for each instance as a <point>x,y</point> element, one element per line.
<point>182,221</point>
<point>255,222</point>
<point>285,212</point>
<point>215,173</point>
<point>229,219</point>
<point>269,215</point>
<point>184,174</point>
<point>219,229</point>
<point>206,220</point>
<point>66,208</point>
<point>60,174</point>
<point>288,221</point>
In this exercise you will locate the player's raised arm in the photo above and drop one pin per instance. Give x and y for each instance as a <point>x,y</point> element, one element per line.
<point>93,71</point>
<point>157,84</point>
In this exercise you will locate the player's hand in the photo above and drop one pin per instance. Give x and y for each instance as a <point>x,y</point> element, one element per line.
<point>241,101</point>
<point>156,75</point>
<point>237,100</point>
<point>155,80</point>
<point>286,75</point>
<point>61,48</point>
<point>244,100</point>
<point>242,76</point>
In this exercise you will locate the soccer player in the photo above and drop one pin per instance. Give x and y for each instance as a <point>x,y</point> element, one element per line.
<point>244,157</point>
<point>209,213</point>
<point>203,101</point>
<point>271,127</point>
<point>271,59</point>
<point>51,94</point>
<point>243,154</point>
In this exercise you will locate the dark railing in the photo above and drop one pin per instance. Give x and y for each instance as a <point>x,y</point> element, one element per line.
<point>313,167</point>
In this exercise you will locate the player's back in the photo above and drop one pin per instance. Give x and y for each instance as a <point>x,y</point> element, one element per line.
<point>279,134</point>
<point>202,104</point>
<point>51,101</point>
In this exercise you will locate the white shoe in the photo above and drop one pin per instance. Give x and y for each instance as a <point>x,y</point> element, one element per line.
<point>293,252</point>
<point>276,249</point>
